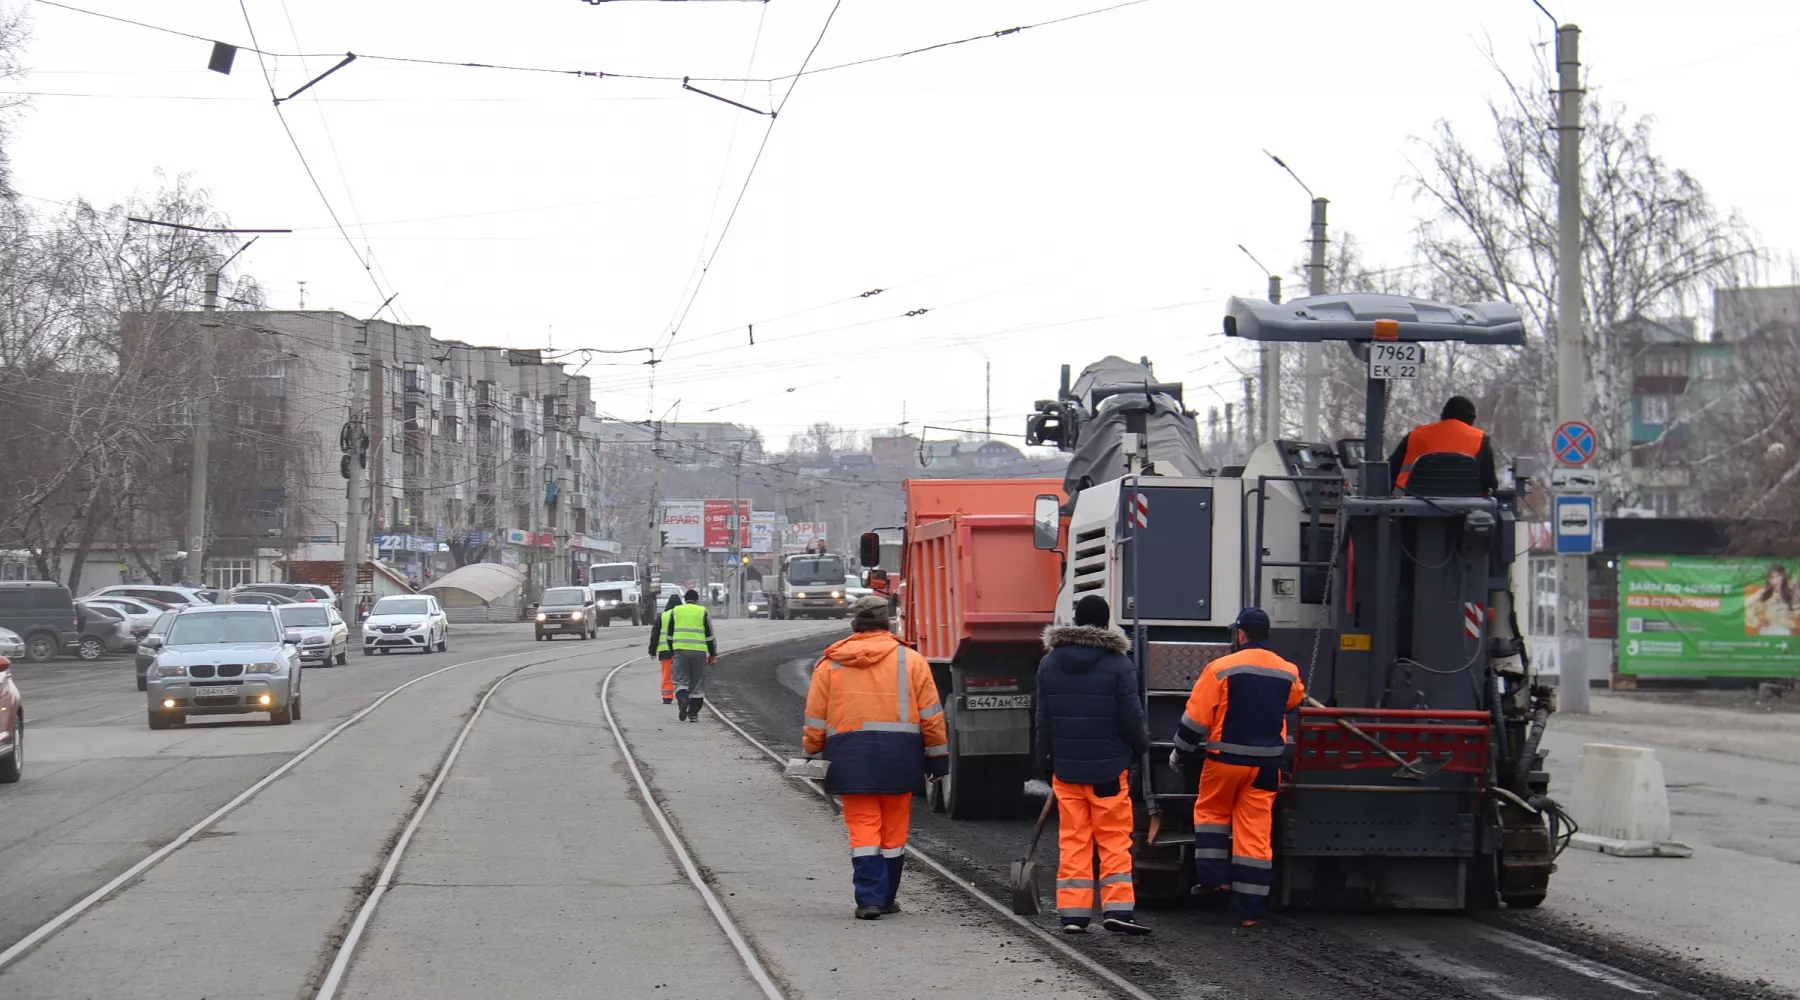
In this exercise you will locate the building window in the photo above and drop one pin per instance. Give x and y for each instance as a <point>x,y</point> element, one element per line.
<point>265,459</point>
<point>1655,410</point>
<point>1715,365</point>
<point>1666,503</point>
<point>224,574</point>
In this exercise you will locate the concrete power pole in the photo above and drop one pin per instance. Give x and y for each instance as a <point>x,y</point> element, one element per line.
<point>1571,357</point>
<point>1271,374</point>
<point>736,576</point>
<point>1315,352</point>
<point>196,526</point>
<point>356,442</point>
<point>656,521</point>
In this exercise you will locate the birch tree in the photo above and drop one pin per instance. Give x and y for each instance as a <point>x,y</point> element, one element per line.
<point>1654,245</point>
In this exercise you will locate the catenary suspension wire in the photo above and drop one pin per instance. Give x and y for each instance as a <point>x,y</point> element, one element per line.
<point>749,175</point>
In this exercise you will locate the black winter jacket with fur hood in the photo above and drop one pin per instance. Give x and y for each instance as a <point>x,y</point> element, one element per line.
<point>1090,721</point>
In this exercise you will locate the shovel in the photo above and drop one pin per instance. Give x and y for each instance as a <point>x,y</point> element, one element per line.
<point>1023,876</point>
<point>1416,770</point>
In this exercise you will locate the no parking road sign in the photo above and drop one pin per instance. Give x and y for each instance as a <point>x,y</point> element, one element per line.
<point>1574,443</point>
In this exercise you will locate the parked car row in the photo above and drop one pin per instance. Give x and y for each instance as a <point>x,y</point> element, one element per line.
<point>116,619</point>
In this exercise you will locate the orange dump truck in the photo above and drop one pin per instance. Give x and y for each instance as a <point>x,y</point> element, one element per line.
<point>977,598</point>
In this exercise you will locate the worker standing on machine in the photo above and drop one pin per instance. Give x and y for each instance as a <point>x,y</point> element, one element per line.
<point>1090,728</point>
<point>1454,433</point>
<point>873,713</point>
<point>662,650</point>
<point>691,638</point>
<point>1236,719</point>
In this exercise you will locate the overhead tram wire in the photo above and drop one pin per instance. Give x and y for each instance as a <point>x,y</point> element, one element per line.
<point>269,81</point>
<point>725,167</point>
<point>596,73</point>
<point>749,175</point>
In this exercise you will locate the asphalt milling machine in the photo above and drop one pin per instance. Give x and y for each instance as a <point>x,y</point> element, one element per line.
<point>1416,781</point>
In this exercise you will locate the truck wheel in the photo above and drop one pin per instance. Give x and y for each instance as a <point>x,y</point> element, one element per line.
<point>985,787</point>
<point>1162,886</point>
<point>605,621</point>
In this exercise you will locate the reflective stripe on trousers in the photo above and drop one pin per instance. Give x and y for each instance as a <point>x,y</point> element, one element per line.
<point>1233,835</point>
<point>877,826</point>
<point>1087,823</point>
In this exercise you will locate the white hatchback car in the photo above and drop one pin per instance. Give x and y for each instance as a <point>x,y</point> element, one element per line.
<point>409,621</point>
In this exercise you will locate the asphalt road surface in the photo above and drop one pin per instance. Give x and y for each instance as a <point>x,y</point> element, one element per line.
<point>1513,956</point>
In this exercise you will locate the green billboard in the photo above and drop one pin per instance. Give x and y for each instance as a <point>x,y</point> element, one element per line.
<point>1707,616</point>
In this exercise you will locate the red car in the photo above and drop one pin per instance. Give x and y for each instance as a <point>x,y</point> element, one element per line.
<point>12,726</point>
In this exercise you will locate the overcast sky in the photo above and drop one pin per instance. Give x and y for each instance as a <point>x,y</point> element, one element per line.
<point>1050,196</point>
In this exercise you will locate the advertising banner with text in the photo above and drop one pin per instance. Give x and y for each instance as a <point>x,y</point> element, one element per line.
<point>683,522</point>
<point>718,525</point>
<point>1707,616</point>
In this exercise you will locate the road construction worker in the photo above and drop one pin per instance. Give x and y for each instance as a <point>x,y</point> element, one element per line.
<point>661,649</point>
<point>1456,433</point>
<point>873,714</point>
<point>691,639</point>
<point>1090,732</point>
<point>1236,719</point>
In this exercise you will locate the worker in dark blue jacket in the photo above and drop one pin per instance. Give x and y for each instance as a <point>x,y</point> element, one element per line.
<point>1090,730</point>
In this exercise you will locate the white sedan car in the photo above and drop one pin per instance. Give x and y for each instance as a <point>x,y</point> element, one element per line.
<point>409,621</point>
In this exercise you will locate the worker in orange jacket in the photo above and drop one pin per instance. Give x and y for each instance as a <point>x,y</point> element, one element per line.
<point>660,634</point>
<point>1236,720</point>
<point>873,713</point>
<point>1455,433</point>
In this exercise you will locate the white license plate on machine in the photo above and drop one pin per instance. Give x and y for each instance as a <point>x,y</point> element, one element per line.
<point>983,701</point>
<point>1395,360</point>
<point>218,691</point>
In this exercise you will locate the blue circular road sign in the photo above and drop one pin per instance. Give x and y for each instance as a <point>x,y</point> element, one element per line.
<point>1574,443</point>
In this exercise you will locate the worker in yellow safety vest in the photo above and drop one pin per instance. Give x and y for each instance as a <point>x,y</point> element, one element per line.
<point>690,633</point>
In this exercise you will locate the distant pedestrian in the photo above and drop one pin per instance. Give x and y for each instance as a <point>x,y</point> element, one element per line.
<point>1090,731</point>
<point>873,713</point>
<point>691,640</point>
<point>661,648</point>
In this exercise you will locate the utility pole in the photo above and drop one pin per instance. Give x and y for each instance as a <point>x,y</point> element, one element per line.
<point>656,519</point>
<point>1571,357</point>
<point>356,444</point>
<point>195,564</point>
<point>989,391</point>
<point>196,526</point>
<point>1249,416</point>
<point>1271,374</point>
<point>736,576</point>
<point>1315,352</point>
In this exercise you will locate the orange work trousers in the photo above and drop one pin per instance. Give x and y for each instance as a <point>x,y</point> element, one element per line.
<point>877,826</point>
<point>668,679</point>
<point>1234,821</point>
<point>1086,822</point>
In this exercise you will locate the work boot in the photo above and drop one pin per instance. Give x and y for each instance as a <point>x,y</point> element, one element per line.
<point>668,701</point>
<point>695,704</point>
<point>868,913</point>
<point>681,699</point>
<point>1124,924</point>
<point>1074,926</point>
<point>891,906</point>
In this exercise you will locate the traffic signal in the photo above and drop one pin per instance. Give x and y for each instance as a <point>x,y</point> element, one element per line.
<point>743,560</point>
<point>665,538</point>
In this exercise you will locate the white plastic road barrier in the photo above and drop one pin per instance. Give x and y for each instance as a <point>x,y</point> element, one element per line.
<point>1622,803</point>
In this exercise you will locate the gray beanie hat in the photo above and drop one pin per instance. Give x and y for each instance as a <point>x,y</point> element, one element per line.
<point>869,613</point>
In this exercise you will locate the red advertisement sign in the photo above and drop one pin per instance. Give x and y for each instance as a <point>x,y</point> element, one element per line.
<point>717,524</point>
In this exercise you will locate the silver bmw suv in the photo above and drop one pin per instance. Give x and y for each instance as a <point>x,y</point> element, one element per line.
<point>224,660</point>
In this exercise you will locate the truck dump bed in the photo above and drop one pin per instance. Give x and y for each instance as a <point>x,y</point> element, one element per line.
<point>973,577</point>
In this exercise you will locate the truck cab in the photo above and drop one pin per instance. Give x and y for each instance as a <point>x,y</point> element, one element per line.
<point>617,592</point>
<point>811,585</point>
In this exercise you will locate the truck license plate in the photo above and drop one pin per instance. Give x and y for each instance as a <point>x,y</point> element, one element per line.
<point>983,701</point>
